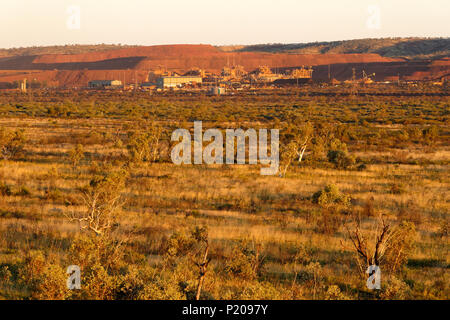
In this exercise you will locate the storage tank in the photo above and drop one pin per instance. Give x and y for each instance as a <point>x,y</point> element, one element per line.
<point>217,91</point>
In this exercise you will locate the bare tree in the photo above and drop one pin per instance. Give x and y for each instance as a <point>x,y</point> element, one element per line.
<point>201,236</point>
<point>288,154</point>
<point>296,148</point>
<point>368,255</point>
<point>307,133</point>
<point>302,150</point>
<point>203,267</point>
<point>102,198</point>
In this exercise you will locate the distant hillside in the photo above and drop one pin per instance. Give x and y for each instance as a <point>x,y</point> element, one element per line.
<point>67,49</point>
<point>411,48</point>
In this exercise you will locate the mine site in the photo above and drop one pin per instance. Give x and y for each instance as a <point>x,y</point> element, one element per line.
<point>237,175</point>
<point>207,68</point>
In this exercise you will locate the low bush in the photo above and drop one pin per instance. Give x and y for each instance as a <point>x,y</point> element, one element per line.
<point>5,190</point>
<point>330,195</point>
<point>12,143</point>
<point>340,159</point>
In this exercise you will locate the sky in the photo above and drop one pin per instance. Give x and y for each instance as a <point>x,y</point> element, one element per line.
<point>26,23</point>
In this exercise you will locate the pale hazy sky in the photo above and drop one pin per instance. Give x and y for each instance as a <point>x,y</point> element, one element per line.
<point>149,22</point>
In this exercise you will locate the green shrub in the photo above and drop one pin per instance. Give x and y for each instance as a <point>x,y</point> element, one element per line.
<point>430,135</point>
<point>330,195</point>
<point>398,188</point>
<point>5,275</point>
<point>334,293</point>
<point>262,291</point>
<point>53,194</point>
<point>245,261</point>
<point>12,144</point>
<point>161,288</point>
<point>51,284</point>
<point>395,289</point>
<point>76,154</point>
<point>400,246</point>
<point>23,191</point>
<point>340,159</point>
<point>98,283</point>
<point>362,167</point>
<point>5,190</point>
<point>45,280</point>
<point>144,146</point>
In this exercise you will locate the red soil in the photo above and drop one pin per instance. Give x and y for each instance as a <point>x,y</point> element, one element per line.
<point>78,69</point>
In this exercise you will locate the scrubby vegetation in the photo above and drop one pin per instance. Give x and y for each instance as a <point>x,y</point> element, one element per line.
<point>86,179</point>
<point>66,49</point>
<point>390,47</point>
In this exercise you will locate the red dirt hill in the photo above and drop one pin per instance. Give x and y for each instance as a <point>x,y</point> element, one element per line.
<point>124,64</point>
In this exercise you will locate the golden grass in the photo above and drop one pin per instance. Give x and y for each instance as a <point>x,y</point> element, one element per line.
<point>163,198</point>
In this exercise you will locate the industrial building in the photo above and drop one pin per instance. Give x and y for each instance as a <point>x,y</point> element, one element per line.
<point>265,74</point>
<point>196,72</point>
<point>148,86</point>
<point>178,81</point>
<point>23,85</point>
<point>217,91</point>
<point>289,82</point>
<point>233,73</point>
<point>104,84</point>
<point>303,73</point>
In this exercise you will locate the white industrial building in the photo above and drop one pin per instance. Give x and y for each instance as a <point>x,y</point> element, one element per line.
<point>178,81</point>
<point>104,84</point>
